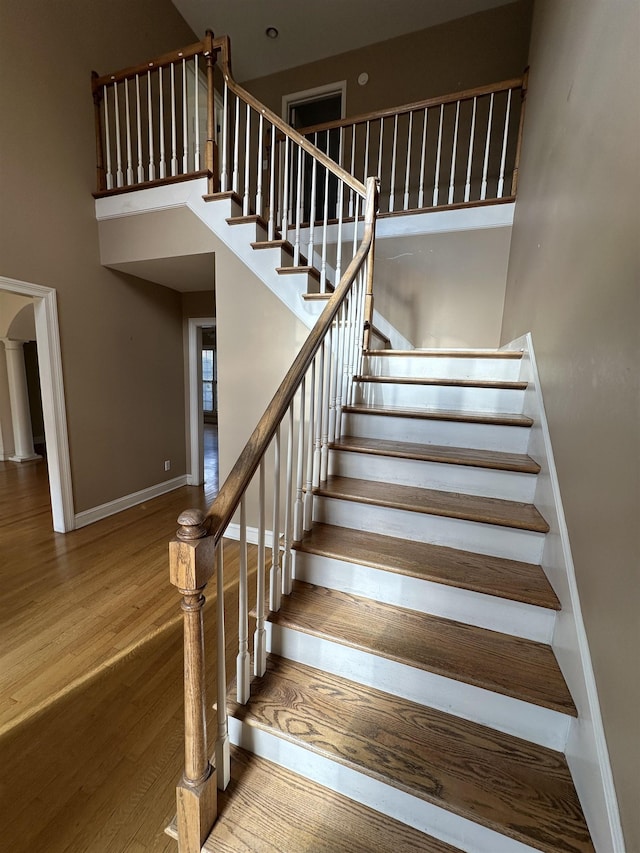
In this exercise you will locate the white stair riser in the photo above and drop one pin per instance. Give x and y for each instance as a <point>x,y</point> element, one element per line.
<point>443,367</point>
<point>503,713</point>
<point>374,793</point>
<point>462,605</point>
<point>508,485</point>
<point>447,397</point>
<point>514,544</point>
<point>510,439</point>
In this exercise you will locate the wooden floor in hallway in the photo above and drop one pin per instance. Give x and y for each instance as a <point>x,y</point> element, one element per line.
<point>91,720</point>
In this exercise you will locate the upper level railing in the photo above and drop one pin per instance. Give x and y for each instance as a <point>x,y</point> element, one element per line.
<point>182,115</point>
<point>460,148</point>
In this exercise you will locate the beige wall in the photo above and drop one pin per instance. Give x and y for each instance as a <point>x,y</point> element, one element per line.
<point>121,336</point>
<point>472,51</point>
<point>444,290</point>
<point>574,282</point>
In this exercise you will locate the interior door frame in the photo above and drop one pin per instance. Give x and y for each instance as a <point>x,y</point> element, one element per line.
<point>316,94</point>
<point>53,400</point>
<point>195,476</point>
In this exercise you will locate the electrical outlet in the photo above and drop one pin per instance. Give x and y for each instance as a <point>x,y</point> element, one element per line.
<point>167,464</point>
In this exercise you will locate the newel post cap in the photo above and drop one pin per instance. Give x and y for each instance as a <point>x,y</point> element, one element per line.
<point>191,552</point>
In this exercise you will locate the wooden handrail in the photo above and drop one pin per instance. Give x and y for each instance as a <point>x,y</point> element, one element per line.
<point>200,47</point>
<point>282,125</point>
<point>224,506</point>
<point>464,95</point>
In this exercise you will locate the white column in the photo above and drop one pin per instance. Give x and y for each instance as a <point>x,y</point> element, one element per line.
<point>20,413</point>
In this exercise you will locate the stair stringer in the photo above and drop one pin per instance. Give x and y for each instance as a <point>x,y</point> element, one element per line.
<point>586,749</point>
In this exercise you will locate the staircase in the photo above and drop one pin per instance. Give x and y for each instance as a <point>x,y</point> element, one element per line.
<point>411,699</point>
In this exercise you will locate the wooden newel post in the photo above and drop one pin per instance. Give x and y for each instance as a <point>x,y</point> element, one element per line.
<point>211,151</point>
<point>516,165</point>
<point>191,565</point>
<point>368,299</point>
<point>101,180</point>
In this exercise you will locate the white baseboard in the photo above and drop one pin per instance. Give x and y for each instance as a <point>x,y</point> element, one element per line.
<point>89,516</point>
<point>233,532</point>
<point>586,751</point>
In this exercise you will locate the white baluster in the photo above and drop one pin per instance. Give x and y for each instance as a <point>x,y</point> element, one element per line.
<point>298,525</point>
<point>485,168</point>
<point>453,155</point>
<point>312,206</point>
<point>259,637</point>
<point>339,243</point>
<point>334,346</point>
<point>308,496</point>
<point>504,145</point>
<point>380,149</point>
<point>353,167</point>
<point>246,206</point>
<point>139,131</point>
<point>467,186</point>
<point>422,158</point>
<point>439,151</point>
<point>347,349</point>
<point>196,106</point>
<point>298,205</point>
<point>174,150</point>
<point>243,659</point>
<point>223,763</point>
<point>394,152</point>
<point>342,331</point>
<point>152,165</point>
<point>127,115</point>
<point>185,133</point>
<point>326,400</point>
<point>325,225</point>
<point>224,174</point>
<point>107,137</point>
<point>162,165</point>
<point>259,210</point>
<point>317,454</point>
<point>275,575</point>
<point>366,156</point>
<point>287,572</point>
<point>116,108</point>
<point>272,186</point>
<point>285,191</point>
<point>407,173</point>
<point>235,180</point>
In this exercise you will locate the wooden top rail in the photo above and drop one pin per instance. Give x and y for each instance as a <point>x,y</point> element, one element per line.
<point>464,95</point>
<point>205,47</point>
<point>282,125</point>
<point>222,509</point>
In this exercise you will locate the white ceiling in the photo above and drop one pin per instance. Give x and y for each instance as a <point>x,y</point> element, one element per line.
<point>314,29</point>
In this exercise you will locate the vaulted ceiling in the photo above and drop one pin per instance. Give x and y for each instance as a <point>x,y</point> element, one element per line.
<point>314,29</point>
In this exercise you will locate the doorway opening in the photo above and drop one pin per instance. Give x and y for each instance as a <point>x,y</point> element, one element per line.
<point>54,418</point>
<point>203,404</point>
<point>310,108</point>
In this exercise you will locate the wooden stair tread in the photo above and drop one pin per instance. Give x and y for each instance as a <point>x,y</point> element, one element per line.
<point>498,418</point>
<point>251,218</point>
<point>449,353</point>
<point>312,271</point>
<point>519,789</point>
<point>222,195</point>
<point>453,383</point>
<point>270,809</point>
<point>477,508</point>
<point>511,666</point>
<point>497,576</point>
<point>471,457</point>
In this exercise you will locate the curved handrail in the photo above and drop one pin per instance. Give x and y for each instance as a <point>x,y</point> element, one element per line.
<point>225,504</point>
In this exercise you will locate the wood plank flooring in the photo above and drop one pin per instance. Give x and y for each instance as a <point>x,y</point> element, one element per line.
<point>268,809</point>
<point>508,665</point>
<point>91,684</point>
<point>468,456</point>
<point>434,502</point>
<point>502,781</point>
<point>462,569</point>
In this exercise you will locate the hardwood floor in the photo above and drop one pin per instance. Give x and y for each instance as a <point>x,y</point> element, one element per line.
<point>91,671</point>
